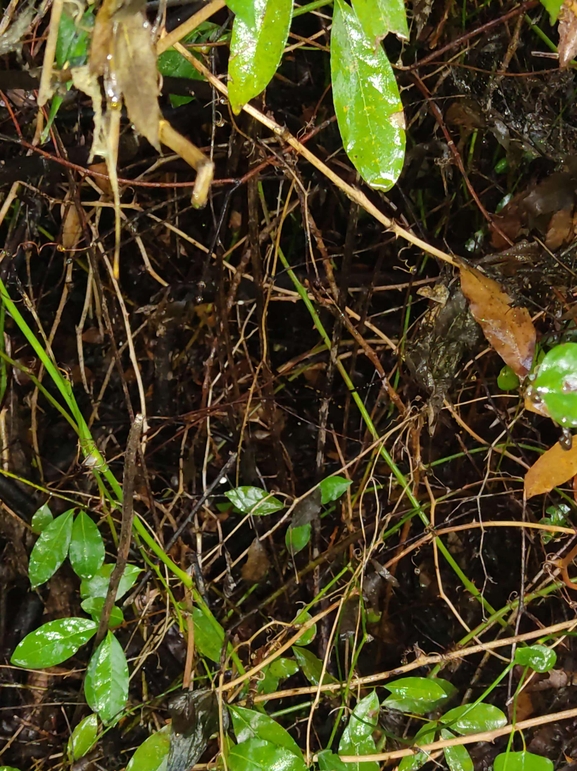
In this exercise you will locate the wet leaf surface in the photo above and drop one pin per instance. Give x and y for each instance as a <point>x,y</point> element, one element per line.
<point>106,683</point>
<point>367,102</point>
<point>256,47</point>
<point>508,329</point>
<point>53,643</point>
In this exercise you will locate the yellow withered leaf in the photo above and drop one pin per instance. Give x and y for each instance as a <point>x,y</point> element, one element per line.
<point>554,467</point>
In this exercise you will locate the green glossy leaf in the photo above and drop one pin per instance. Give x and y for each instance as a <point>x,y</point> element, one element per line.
<point>280,669</point>
<point>457,757</point>
<point>333,487</point>
<point>53,643</point>
<point>73,39</point>
<point>297,538</point>
<point>553,7</point>
<point>379,17</point>
<point>50,549</point>
<point>9,768</point>
<point>97,586</point>
<point>367,102</point>
<point>507,380</point>
<point>260,755</point>
<point>311,666</point>
<point>94,605</point>
<point>106,682</point>
<point>152,755</point>
<point>522,761</point>
<point>539,657</point>
<point>557,516</point>
<point>41,519</point>
<point>256,49</point>
<point>555,384</point>
<point>357,738</point>
<point>86,551</point>
<point>83,737</point>
<point>208,635</point>
<point>172,64</point>
<point>328,761</point>
<point>250,724</point>
<point>471,719</point>
<point>253,500</point>
<point>418,694</point>
<point>244,9</point>
<point>310,634</point>
<point>425,735</point>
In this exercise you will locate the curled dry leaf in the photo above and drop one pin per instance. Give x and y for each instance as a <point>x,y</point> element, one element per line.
<point>567,32</point>
<point>257,563</point>
<point>508,329</point>
<point>554,467</point>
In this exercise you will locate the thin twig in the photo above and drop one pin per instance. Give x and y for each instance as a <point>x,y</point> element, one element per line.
<point>126,525</point>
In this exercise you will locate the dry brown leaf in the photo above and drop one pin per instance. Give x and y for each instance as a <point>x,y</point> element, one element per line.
<point>71,226</point>
<point>508,329</point>
<point>555,467</point>
<point>135,67</point>
<point>567,32</point>
<point>257,563</point>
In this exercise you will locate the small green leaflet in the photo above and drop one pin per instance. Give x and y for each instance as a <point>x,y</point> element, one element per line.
<point>555,384</point>
<point>41,519</point>
<point>208,635</point>
<point>258,755</point>
<point>73,39</point>
<point>418,694</point>
<point>97,586</point>
<point>539,657</point>
<point>297,538</point>
<point>278,670</point>
<point>522,761</point>
<point>332,488</point>
<point>50,549</point>
<point>262,743</point>
<point>379,17</point>
<point>94,605</point>
<point>309,635</point>
<point>256,47</point>
<point>312,666</point>
<point>250,724</point>
<point>457,757</point>
<point>53,643</point>
<point>474,718</point>
<point>106,682</point>
<point>425,735</point>
<point>253,500</point>
<point>83,737</point>
<point>367,102</point>
<point>86,550</point>
<point>553,7</point>
<point>152,753</point>
<point>357,738</point>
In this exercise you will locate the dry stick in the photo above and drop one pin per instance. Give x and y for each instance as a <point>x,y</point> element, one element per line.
<point>483,736</point>
<point>351,192</point>
<point>189,25</point>
<point>45,90</point>
<point>421,661</point>
<point>126,525</point>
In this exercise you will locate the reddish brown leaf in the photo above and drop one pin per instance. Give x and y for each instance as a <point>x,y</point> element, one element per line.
<point>555,467</point>
<point>508,329</point>
<point>567,32</point>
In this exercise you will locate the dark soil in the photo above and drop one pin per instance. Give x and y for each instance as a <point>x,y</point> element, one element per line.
<point>230,362</point>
